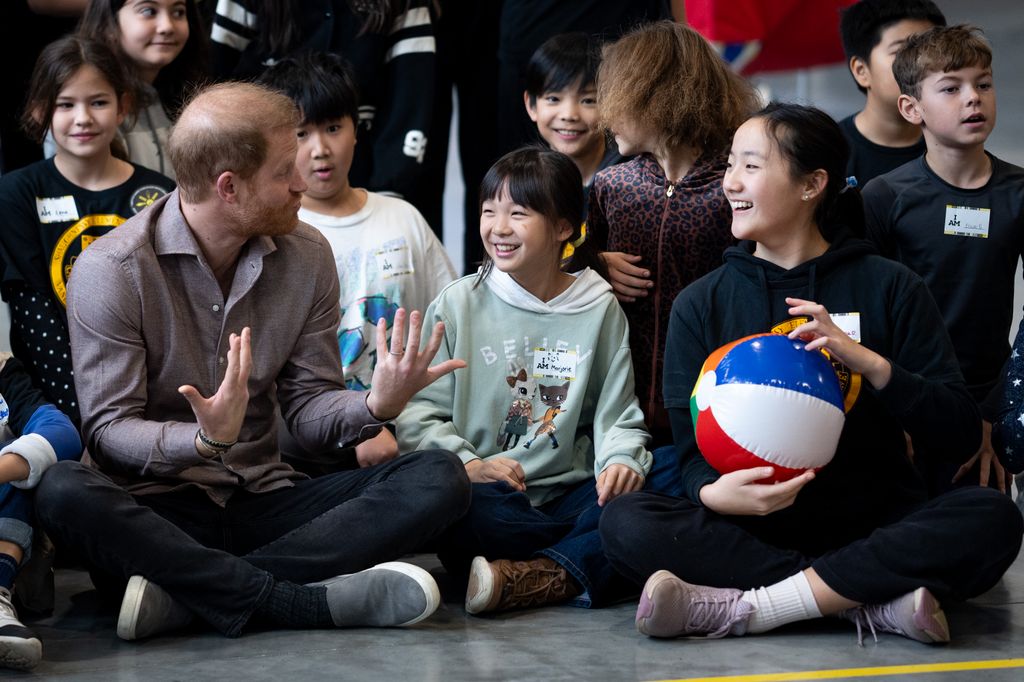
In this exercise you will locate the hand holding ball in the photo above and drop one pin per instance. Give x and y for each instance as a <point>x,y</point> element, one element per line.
<point>765,401</point>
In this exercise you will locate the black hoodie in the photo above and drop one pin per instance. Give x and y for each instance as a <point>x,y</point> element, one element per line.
<point>870,479</point>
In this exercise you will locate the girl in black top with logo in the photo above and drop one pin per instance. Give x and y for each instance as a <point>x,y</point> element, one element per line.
<point>54,208</point>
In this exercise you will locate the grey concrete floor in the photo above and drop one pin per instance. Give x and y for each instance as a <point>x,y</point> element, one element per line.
<point>556,643</point>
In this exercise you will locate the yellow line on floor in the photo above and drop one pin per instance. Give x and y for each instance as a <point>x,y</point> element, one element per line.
<point>864,672</point>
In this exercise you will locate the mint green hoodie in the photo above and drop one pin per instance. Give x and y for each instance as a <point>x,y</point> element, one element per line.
<point>538,374</point>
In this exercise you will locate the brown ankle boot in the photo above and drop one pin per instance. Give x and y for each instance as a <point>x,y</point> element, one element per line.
<point>501,585</point>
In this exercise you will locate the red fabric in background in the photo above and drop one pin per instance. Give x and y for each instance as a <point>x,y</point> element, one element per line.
<point>794,34</point>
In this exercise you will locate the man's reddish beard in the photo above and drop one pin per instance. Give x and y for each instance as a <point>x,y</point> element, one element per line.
<point>261,219</point>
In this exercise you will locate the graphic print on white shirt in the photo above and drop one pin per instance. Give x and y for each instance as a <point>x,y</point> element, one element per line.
<point>387,258</point>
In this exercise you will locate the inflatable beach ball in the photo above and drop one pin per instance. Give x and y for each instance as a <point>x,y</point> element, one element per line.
<point>765,401</point>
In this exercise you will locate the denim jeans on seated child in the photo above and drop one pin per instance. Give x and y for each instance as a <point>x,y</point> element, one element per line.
<point>16,517</point>
<point>501,524</point>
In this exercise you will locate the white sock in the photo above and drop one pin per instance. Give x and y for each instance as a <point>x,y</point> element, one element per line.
<point>787,601</point>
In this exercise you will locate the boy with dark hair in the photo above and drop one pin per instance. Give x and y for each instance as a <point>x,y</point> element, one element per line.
<point>956,215</point>
<point>873,31</point>
<point>561,99</point>
<point>386,254</point>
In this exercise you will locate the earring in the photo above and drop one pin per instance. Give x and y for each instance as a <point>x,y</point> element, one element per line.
<point>807,197</point>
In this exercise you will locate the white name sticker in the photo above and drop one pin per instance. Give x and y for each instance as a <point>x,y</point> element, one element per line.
<point>965,221</point>
<point>554,364</point>
<point>56,209</point>
<point>849,323</point>
<point>394,262</point>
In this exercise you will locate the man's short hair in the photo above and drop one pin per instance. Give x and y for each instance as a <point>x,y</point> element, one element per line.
<point>861,25</point>
<point>223,128</point>
<point>939,50</point>
<point>562,61</point>
<point>322,85</point>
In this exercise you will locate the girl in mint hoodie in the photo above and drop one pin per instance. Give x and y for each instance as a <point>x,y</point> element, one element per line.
<point>544,416</point>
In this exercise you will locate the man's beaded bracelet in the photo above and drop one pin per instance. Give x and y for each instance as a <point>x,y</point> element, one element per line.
<point>216,446</point>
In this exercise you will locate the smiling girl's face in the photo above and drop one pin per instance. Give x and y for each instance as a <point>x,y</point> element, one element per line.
<point>767,201</point>
<point>521,241</point>
<point>86,115</point>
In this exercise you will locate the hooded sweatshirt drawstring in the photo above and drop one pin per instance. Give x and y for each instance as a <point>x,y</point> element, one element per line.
<point>801,281</point>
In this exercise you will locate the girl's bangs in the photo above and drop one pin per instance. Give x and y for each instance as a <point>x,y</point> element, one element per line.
<point>520,183</point>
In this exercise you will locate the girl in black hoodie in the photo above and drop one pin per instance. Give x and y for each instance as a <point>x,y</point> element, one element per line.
<point>857,539</point>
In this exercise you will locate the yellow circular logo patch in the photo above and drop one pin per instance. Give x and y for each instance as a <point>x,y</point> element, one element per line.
<point>145,196</point>
<point>71,244</point>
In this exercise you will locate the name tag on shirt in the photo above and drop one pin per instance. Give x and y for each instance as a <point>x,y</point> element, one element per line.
<point>56,209</point>
<point>849,323</point>
<point>394,262</point>
<point>965,221</point>
<point>554,364</point>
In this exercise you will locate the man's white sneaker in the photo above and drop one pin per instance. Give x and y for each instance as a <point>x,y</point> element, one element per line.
<point>147,610</point>
<point>392,594</point>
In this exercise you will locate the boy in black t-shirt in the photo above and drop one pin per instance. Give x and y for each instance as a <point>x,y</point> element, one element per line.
<point>873,31</point>
<point>956,215</point>
<point>561,99</point>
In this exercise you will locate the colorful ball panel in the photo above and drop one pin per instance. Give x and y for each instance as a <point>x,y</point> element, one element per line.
<point>764,400</point>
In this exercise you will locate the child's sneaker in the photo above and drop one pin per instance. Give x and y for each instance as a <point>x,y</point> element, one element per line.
<point>501,585</point>
<point>670,607</point>
<point>19,647</point>
<point>916,615</point>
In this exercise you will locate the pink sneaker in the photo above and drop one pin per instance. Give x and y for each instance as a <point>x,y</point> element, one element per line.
<point>670,607</point>
<point>916,615</point>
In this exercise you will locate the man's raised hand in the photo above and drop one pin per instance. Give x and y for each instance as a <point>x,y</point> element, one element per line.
<point>221,415</point>
<point>403,370</point>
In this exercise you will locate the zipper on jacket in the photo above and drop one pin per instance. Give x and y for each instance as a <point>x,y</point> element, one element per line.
<point>652,396</point>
